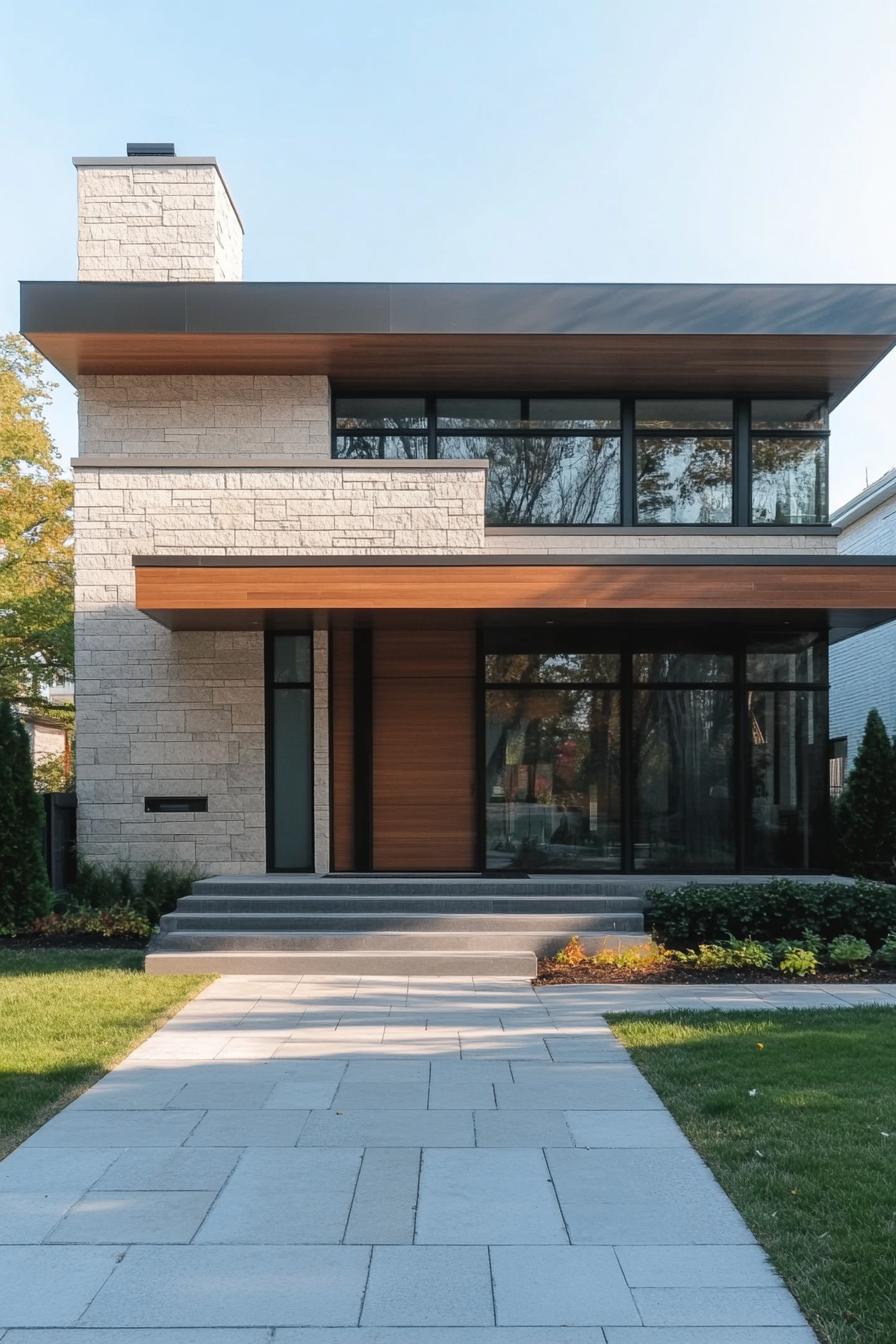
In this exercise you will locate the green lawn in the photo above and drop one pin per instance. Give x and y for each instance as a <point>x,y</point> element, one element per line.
<point>810,1159</point>
<point>65,1019</point>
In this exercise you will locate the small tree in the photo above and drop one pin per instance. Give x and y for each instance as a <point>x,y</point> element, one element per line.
<point>24,888</point>
<point>865,815</point>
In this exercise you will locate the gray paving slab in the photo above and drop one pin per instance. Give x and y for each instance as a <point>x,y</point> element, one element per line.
<point>696,1267</point>
<point>119,1217</point>
<point>285,1197</point>
<point>466,1084</point>
<point>388,1085</point>
<point>717,1306</point>
<point>135,1091</point>
<point>245,1095</point>
<point>624,1129</point>
<point>128,1336</point>
<point>29,1216</point>
<point>248,1129</point>
<point>230,1285</point>
<point>74,1128</point>
<point>51,1285</point>
<point>494,1196</point>
<point>388,1129</point>
<point>384,1206</point>
<point>33,1168</point>
<point>429,1285</point>
<point>470,1334</point>
<point>309,1085</point>
<point>797,1334</point>
<point>560,1285</point>
<point>642,1197</point>
<point>582,1086</point>
<point>521,1129</point>
<point>169,1169</point>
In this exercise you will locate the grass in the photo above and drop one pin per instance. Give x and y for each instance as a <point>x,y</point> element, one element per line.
<point>66,1017</point>
<point>802,1135</point>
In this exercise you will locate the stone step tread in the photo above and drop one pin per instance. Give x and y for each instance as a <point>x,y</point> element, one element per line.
<point>422,921</point>
<point>397,902</point>
<point>442,941</point>
<point>161,961</point>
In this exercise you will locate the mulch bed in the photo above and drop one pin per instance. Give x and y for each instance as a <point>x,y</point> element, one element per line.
<point>71,940</point>
<point>549,973</point>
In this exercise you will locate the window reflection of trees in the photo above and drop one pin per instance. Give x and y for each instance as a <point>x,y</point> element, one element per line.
<point>544,479</point>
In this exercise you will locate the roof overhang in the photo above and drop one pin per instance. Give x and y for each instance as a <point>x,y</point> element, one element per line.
<point>843,594</point>
<point>773,340</point>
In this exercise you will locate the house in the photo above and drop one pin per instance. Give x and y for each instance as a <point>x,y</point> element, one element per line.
<point>863,669</point>
<point>524,581</point>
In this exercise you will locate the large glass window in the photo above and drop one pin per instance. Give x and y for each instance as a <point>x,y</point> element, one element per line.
<point>684,463</point>
<point>603,461</point>
<point>289,740</point>
<point>683,763</point>
<point>789,463</point>
<point>655,757</point>
<point>788,750</point>
<point>552,762</point>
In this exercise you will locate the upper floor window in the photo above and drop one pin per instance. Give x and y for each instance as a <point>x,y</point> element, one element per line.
<point>789,462</point>
<point>585,461</point>
<point>685,461</point>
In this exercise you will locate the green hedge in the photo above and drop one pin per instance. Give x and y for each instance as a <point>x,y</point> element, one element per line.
<point>687,916</point>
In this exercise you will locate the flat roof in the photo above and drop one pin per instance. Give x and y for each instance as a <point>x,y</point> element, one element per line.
<point>775,340</point>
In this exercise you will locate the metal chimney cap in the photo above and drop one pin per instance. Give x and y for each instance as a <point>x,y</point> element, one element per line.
<point>157,150</point>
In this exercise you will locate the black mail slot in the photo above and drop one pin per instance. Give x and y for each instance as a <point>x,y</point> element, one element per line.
<point>176,804</point>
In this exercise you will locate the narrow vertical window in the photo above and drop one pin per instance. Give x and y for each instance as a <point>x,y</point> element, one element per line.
<point>289,741</point>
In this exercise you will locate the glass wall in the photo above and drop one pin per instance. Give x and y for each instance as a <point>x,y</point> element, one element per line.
<point>289,753</point>
<point>552,754</point>
<point>580,461</point>
<point>788,754</point>
<point>654,756</point>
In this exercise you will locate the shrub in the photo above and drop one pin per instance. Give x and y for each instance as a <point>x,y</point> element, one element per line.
<point>152,892</point>
<point>848,951</point>
<point>796,960</point>
<point>117,921</point>
<point>865,814</point>
<point>685,917</point>
<point>645,957</point>
<point>24,887</point>
<point>886,953</point>
<point>573,954</point>
<point>735,954</point>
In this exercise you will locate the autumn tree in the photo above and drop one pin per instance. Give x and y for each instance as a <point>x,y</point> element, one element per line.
<point>36,642</point>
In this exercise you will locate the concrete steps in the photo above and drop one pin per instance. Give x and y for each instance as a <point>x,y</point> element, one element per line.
<point>416,926</point>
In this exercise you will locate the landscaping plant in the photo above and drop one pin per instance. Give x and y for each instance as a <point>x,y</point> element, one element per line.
<point>24,888</point>
<point>865,813</point>
<point>847,951</point>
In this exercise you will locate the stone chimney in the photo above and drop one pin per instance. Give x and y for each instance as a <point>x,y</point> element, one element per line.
<point>153,215</point>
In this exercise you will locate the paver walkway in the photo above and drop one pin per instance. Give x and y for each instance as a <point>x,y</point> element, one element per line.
<point>374,1161</point>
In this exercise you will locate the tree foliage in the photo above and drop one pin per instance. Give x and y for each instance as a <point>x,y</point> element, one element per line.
<point>36,603</point>
<point>866,811</point>
<point>24,889</point>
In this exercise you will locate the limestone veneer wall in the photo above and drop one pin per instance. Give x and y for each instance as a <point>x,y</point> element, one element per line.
<point>196,416</point>
<point>662,541</point>
<point>162,712</point>
<point>151,220</point>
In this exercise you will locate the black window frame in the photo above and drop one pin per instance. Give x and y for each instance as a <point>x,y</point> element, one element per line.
<point>627,643</point>
<point>741,433</point>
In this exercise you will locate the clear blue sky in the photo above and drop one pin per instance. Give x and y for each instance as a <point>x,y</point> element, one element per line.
<point>677,140</point>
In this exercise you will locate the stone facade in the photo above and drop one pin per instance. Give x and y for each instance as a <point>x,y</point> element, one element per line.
<point>183,712</point>
<point>189,417</point>
<point>156,219</point>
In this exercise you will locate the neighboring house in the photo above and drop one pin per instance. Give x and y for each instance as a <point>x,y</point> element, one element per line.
<point>49,739</point>
<point>447,577</point>
<point>863,669</point>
